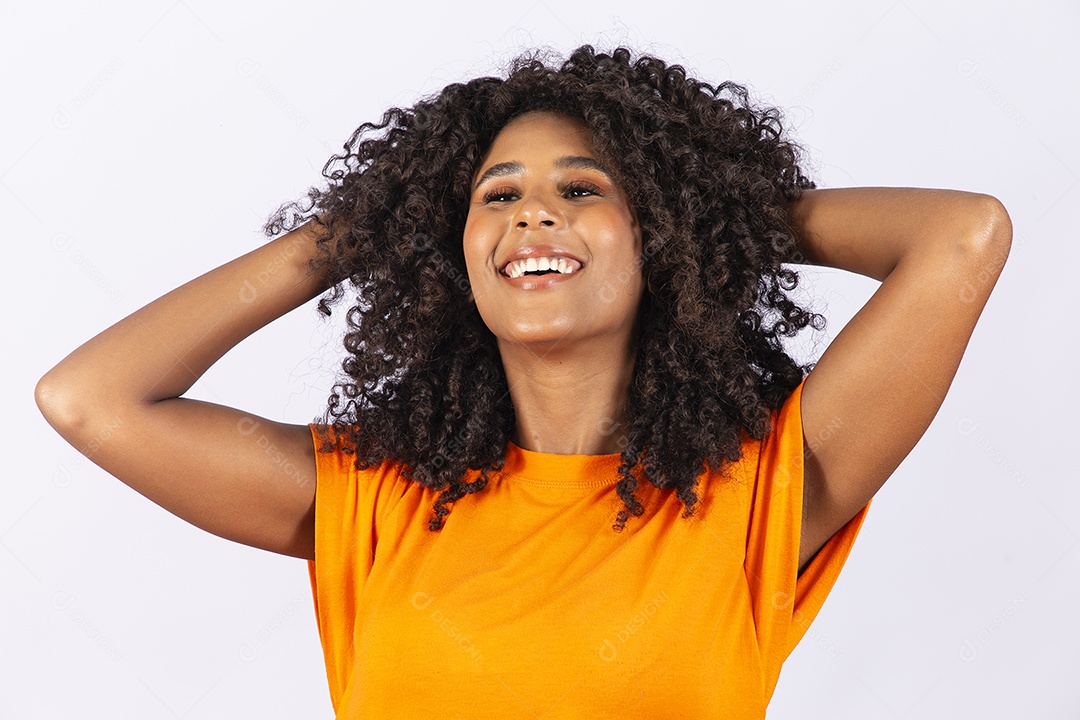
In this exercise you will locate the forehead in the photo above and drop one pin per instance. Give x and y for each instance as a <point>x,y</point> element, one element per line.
<point>546,119</point>
<point>538,132</point>
<point>542,129</point>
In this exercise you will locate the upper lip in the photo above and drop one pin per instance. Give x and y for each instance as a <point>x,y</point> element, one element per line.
<point>537,251</point>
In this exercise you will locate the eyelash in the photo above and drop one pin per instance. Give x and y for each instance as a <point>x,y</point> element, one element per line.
<point>576,185</point>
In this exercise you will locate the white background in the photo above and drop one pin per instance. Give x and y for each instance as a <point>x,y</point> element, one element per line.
<point>144,144</point>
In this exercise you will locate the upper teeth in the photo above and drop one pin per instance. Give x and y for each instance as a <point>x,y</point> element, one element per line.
<point>517,268</point>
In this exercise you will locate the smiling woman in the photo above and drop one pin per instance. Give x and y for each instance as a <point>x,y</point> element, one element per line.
<point>651,499</point>
<point>670,193</point>
<point>571,333</point>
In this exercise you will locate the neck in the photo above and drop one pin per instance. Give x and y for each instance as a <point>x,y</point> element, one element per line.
<point>571,402</point>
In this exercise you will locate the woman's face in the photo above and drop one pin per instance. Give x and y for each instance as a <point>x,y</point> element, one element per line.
<point>542,192</point>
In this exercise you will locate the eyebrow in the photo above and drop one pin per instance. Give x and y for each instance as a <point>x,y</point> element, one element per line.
<point>569,162</point>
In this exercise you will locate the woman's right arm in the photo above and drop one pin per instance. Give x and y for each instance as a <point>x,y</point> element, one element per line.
<point>116,398</point>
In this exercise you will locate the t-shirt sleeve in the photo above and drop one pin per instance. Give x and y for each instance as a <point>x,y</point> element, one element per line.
<point>786,602</point>
<point>348,502</point>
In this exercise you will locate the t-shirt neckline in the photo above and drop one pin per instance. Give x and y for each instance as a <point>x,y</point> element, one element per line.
<point>561,470</point>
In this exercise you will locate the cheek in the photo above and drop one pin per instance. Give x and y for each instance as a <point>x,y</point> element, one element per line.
<point>618,238</point>
<point>472,266</point>
<point>476,253</point>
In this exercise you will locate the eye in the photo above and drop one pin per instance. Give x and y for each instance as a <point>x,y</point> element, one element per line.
<point>580,186</point>
<point>498,195</point>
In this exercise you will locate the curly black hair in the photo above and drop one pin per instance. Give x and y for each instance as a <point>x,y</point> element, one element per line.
<point>711,177</point>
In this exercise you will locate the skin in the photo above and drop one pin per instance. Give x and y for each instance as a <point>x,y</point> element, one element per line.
<point>574,339</point>
<point>871,396</point>
<point>117,398</point>
<point>877,387</point>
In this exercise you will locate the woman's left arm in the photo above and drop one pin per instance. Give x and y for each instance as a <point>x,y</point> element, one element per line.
<point>879,384</point>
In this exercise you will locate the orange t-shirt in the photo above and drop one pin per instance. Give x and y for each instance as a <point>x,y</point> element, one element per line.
<point>528,604</point>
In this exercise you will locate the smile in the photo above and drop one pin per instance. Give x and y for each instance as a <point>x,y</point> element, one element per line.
<point>540,279</point>
<point>541,266</point>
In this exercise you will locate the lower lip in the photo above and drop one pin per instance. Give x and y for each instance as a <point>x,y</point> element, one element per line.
<point>539,282</point>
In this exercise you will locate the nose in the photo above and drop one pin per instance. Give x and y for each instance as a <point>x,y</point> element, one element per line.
<point>535,211</point>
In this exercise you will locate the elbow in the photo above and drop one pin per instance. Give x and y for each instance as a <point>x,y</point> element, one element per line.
<point>985,249</point>
<point>57,403</point>
<point>992,229</point>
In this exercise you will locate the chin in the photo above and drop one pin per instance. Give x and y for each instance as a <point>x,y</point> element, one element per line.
<point>533,333</point>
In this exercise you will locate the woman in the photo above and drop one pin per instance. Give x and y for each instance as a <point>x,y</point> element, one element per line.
<point>567,330</point>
